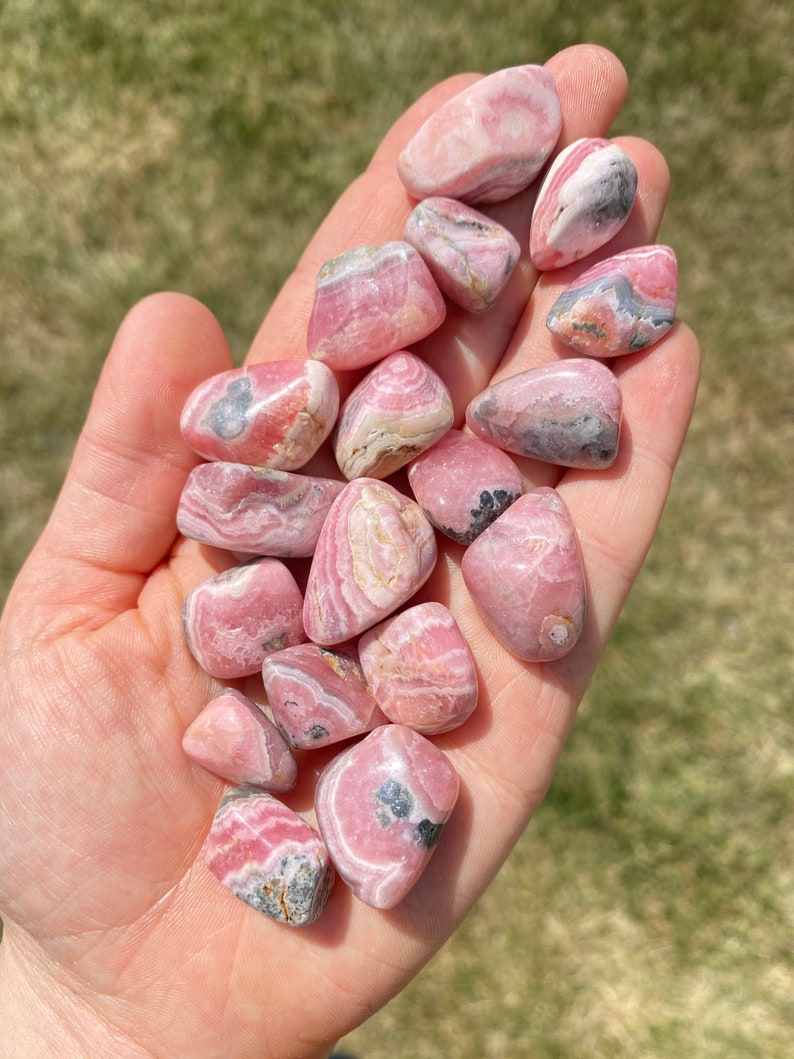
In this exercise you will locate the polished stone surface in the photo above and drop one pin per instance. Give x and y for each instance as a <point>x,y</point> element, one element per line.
<point>269,857</point>
<point>585,199</point>
<point>399,409</point>
<point>488,142</point>
<point>620,305</point>
<point>375,550</point>
<point>233,738</point>
<point>268,415</point>
<point>525,575</point>
<point>420,669</point>
<point>567,413</point>
<point>381,807</point>
<point>372,301</point>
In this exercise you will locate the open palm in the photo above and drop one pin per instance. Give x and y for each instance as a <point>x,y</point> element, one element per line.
<point>118,940</point>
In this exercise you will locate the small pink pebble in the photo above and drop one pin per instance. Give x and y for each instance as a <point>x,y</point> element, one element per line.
<point>234,739</point>
<point>381,807</point>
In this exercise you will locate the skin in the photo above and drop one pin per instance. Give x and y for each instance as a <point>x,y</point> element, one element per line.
<point>118,941</point>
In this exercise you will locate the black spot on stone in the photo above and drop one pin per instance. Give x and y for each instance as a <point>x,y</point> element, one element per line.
<point>316,732</point>
<point>228,417</point>
<point>428,833</point>
<point>398,798</point>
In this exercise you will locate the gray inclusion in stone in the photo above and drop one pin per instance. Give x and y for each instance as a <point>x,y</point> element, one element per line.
<point>627,304</point>
<point>566,442</point>
<point>428,833</point>
<point>491,505</point>
<point>398,798</point>
<point>228,416</point>
<point>316,732</point>
<point>291,895</point>
<point>613,197</point>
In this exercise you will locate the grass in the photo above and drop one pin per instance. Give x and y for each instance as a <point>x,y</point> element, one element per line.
<point>647,912</point>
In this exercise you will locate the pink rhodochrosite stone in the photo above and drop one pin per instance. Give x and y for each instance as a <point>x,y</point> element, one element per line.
<point>620,305</point>
<point>488,142</point>
<point>566,413</point>
<point>397,411</point>
<point>526,577</point>
<point>233,738</point>
<point>462,484</point>
<point>370,302</point>
<point>470,256</point>
<point>254,509</point>
<point>268,415</point>
<point>375,550</point>
<point>269,857</point>
<point>318,696</point>
<point>585,199</point>
<point>233,620</point>
<point>420,669</point>
<point>381,807</point>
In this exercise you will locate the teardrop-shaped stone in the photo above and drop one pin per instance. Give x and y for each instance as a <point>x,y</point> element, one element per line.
<point>566,413</point>
<point>525,575</point>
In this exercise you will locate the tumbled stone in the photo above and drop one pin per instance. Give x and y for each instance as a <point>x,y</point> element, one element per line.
<point>399,409</point>
<point>566,413</point>
<point>375,550</point>
<point>381,807</point>
<point>233,738</point>
<point>525,575</point>
<point>470,256</point>
<point>620,305</point>
<point>488,142</point>
<point>463,483</point>
<point>269,857</point>
<point>420,670</point>
<point>585,199</point>
<point>255,509</point>
<point>233,620</point>
<point>370,302</point>
<point>318,696</point>
<point>268,415</point>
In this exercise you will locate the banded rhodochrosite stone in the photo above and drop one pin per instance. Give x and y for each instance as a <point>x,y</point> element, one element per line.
<point>381,807</point>
<point>318,696</point>
<point>268,415</point>
<point>462,484</point>
<point>233,620</point>
<point>420,669</point>
<point>398,410</point>
<point>470,256</point>
<point>370,302</point>
<point>584,200</point>
<point>255,509</point>
<point>525,575</point>
<point>489,141</point>
<point>269,857</point>
<point>375,550</point>
<point>566,413</point>
<point>620,305</point>
<point>233,738</point>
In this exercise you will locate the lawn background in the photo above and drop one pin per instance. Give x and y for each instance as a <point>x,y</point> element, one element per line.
<point>193,145</point>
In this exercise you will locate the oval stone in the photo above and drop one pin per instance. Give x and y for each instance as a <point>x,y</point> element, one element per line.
<point>488,142</point>
<point>566,413</point>
<point>525,575</point>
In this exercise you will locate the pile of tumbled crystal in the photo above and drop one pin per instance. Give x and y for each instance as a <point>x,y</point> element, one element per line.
<point>352,657</point>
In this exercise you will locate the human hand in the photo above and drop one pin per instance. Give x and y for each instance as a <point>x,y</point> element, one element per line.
<point>118,941</point>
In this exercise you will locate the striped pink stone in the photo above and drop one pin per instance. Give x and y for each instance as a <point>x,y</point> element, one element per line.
<point>268,415</point>
<point>488,142</point>
<point>269,857</point>
<point>420,669</point>
<point>381,807</point>
<point>233,738</point>
<point>525,575</point>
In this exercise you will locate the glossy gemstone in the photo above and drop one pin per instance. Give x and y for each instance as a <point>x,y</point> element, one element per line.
<point>233,738</point>
<point>584,200</point>
<point>269,857</point>
<point>620,305</point>
<point>370,302</point>
<point>420,669</point>
<point>470,256</point>
<point>375,550</point>
<point>397,411</point>
<point>566,413</point>
<point>381,807</point>
<point>489,141</point>
<point>526,577</point>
